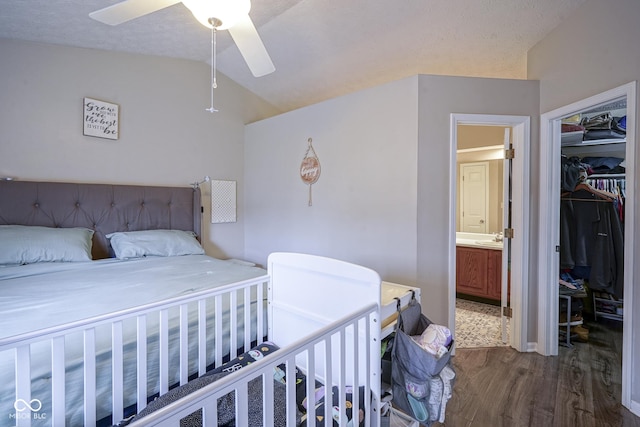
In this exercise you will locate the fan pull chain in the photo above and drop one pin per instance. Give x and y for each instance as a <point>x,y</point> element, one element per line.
<point>214,84</point>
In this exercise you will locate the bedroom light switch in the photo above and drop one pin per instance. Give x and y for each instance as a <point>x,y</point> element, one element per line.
<point>223,201</point>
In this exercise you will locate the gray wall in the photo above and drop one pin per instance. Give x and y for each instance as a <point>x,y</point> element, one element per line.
<point>166,137</point>
<point>439,97</point>
<point>593,50</point>
<point>364,203</point>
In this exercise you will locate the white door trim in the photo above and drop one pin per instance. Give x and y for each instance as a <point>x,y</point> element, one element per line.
<point>548,261</point>
<point>520,203</point>
<point>506,242</point>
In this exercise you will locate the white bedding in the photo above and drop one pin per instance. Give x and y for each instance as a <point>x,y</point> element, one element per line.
<point>45,295</point>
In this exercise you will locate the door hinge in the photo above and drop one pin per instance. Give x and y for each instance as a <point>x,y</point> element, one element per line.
<point>508,233</point>
<point>507,312</point>
<point>510,153</point>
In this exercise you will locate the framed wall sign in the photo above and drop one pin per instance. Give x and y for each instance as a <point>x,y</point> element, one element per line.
<point>101,119</point>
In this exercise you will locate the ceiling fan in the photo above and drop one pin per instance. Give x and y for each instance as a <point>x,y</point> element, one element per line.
<point>232,15</point>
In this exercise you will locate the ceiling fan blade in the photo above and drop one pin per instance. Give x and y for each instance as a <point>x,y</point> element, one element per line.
<point>128,10</point>
<point>248,40</point>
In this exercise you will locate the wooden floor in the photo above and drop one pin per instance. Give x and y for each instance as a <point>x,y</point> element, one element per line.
<point>580,387</point>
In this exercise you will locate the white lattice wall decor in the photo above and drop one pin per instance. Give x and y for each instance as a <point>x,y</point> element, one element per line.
<point>223,201</point>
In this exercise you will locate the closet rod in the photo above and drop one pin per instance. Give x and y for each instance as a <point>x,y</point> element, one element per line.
<point>586,200</point>
<point>606,175</point>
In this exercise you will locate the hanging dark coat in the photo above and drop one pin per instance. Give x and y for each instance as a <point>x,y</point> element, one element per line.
<point>591,239</point>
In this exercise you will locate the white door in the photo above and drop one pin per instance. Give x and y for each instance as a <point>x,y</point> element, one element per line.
<point>474,197</point>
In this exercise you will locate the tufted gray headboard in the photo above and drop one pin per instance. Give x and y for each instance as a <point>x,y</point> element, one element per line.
<point>104,208</point>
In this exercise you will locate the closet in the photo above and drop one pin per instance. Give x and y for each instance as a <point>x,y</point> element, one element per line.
<point>592,215</point>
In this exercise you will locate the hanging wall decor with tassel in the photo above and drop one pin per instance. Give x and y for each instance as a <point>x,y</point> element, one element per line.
<point>310,168</point>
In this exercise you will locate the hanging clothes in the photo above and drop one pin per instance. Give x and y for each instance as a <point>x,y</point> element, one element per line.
<point>592,240</point>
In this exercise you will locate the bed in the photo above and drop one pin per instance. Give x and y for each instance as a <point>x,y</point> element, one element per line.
<point>69,355</point>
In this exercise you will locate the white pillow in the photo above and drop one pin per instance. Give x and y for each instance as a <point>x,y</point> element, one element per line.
<point>21,244</point>
<point>136,244</point>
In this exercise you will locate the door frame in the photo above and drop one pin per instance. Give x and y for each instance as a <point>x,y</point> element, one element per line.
<point>486,190</point>
<point>520,204</point>
<point>549,237</point>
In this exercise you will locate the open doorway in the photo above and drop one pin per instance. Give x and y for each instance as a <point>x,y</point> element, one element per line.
<point>479,236</point>
<point>518,244</point>
<point>549,238</point>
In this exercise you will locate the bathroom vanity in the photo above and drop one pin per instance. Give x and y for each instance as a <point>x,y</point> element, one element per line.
<point>478,265</point>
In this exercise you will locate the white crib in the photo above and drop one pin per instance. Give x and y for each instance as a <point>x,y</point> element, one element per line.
<point>323,313</point>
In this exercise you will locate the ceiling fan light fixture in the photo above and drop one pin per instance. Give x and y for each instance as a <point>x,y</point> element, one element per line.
<point>225,12</point>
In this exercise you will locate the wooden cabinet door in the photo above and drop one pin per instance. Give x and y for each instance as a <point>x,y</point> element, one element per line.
<point>494,275</point>
<point>471,271</point>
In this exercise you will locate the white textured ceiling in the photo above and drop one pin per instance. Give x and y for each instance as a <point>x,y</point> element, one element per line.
<point>321,48</point>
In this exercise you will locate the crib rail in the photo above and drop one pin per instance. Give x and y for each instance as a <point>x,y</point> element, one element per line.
<point>335,338</point>
<point>234,296</point>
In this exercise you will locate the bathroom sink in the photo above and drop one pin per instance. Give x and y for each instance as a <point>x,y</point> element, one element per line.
<point>477,240</point>
<point>489,244</point>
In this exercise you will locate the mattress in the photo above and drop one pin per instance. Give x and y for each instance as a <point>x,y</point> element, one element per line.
<point>46,295</point>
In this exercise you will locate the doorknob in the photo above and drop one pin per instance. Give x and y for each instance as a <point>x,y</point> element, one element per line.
<point>482,221</point>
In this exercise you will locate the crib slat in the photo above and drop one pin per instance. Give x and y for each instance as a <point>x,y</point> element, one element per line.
<point>267,402</point>
<point>291,391</point>
<point>202,336</point>
<point>342,377</point>
<point>247,319</point>
<point>355,396</point>
<point>23,381</point>
<point>57,381</point>
<point>184,344</point>
<point>210,413</point>
<point>260,316</point>
<point>242,404</point>
<point>164,351</point>
<point>117,372</point>
<point>89,377</point>
<point>233,324</point>
<point>141,361</point>
<point>311,389</point>
<point>328,359</point>
<point>218,334</point>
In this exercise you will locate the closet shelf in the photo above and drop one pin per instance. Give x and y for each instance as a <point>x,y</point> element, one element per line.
<point>610,316</point>
<point>608,308</point>
<point>607,147</point>
<point>591,142</point>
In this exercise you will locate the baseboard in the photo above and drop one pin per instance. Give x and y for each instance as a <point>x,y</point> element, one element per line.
<point>532,347</point>
<point>635,408</point>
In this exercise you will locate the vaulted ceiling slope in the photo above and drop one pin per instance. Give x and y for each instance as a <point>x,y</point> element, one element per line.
<point>321,48</point>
